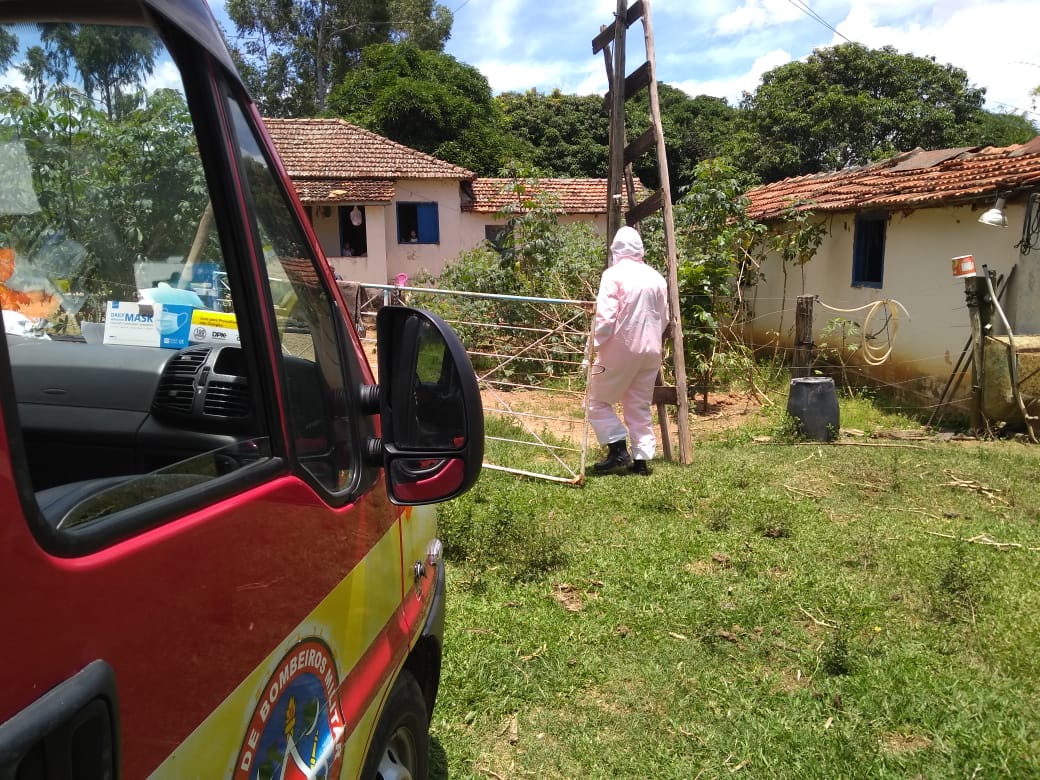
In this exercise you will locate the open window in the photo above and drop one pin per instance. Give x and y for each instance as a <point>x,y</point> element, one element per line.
<point>417,223</point>
<point>868,253</point>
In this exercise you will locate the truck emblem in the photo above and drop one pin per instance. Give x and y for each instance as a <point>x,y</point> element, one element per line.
<point>297,730</point>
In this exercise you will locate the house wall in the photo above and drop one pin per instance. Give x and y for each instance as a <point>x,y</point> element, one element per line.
<point>413,259</point>
<point>387,256</point>
<point>473,224</point>
<point>918,274</point>
<point>370,267</point>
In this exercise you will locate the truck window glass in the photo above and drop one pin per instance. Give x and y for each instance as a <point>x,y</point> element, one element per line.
<point>312,349</point>
<point>129,372</point>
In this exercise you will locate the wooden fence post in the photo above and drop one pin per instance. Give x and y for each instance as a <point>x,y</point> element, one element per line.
<point>803,338</point>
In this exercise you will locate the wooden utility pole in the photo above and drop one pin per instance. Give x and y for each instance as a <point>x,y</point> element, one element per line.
<point>616,136</point>
<point>611,41</point>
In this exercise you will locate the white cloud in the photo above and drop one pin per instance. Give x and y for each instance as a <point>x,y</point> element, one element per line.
<point>732,87</point>
<point>12,78</point>
<point>756,14</point>
<point>512,76</point>
<point>992,43</point>
<point>165,76</point>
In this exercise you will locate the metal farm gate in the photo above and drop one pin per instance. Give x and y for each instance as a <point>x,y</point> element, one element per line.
<point>528,354</point>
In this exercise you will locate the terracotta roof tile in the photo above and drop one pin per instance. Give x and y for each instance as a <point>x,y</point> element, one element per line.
<point>576,196</point>
<point>335,149</point>
<point>344,190</point>
<point>916,179</point>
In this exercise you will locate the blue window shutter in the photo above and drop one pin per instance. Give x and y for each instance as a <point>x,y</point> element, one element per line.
<point>429,226</point>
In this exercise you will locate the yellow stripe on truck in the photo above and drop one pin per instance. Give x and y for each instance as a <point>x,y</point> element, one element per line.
<point>370,595</point>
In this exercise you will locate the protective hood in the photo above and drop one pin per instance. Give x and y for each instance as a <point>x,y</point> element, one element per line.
<point>626,243</point>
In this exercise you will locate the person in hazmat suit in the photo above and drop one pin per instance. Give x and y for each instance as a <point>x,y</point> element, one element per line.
<point>630,320</point>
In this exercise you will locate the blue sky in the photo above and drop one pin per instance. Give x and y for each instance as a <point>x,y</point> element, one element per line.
<point>722,47</point>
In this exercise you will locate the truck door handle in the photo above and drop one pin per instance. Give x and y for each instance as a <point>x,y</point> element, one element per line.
<point>69,732</point>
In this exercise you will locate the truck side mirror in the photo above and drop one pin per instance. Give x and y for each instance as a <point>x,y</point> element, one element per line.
<point>430,411</point>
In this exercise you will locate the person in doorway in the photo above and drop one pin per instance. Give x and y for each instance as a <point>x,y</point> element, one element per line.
<point>347,250</point>
<point>628,327</point>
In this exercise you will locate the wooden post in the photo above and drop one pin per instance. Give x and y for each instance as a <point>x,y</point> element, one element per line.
<point>678,354</point>
<point>972,297</point>
<point>617,125</point>
<point>975,295</point>
<point>803,338</point>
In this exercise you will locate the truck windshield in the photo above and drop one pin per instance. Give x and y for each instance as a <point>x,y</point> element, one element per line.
<point>104,198</point>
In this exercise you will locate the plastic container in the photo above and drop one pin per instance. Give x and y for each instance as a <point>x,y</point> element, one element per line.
<point>813,403</point>
<point>964,265</point>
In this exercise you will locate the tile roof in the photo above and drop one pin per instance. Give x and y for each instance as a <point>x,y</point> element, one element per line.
<point>344,190</point>
<point>577,196</point>
<point>917,179</point>
<point>335,149</point>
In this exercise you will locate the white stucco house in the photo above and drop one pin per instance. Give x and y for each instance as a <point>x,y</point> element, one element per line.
<point>381,209</point>
<point>893,229</point>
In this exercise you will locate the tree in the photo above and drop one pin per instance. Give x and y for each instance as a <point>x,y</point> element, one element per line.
<point>561,135</point>
<point>695,129</point>
<point>8,48</point>
<point>719,246</point>
<point>850,105</point>
<point>426,100</point>
<point>425,23</point>
<point>112,62</point>
<point>122,189</point>
<point>992,129</point>
<point>34,71</point>
<point>292,52</point>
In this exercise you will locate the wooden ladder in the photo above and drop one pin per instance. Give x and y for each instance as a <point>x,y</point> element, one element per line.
<point>611,41</point>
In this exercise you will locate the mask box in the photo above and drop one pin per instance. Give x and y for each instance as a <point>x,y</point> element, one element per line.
<point>130,323</point>
<point>173,321</point>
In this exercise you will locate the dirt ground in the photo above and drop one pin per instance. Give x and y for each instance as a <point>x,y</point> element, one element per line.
<point>561,413</point>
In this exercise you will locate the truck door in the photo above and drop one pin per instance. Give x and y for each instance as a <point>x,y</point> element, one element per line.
<point>189,533</point>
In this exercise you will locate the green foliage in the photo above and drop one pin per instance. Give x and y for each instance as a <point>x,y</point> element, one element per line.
<point>121,189</point>
<point>992,129</point>
<point>112,62</point>
<point>495,527</point>
<point>291,53</point>
<point>562,135</point>
<point>850,105</point>
<point>716,241</point>
<point>839,342</point>
<point>695,129</point>
<point>533,257</point>
<point>426,100</point>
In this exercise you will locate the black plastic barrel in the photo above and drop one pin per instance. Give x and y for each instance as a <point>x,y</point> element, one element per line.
<point>813,403</point>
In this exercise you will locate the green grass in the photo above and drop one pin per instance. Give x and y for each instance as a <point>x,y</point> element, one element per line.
<point>776,610</point>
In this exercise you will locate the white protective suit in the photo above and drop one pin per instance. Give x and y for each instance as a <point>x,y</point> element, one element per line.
<point>631,315</point>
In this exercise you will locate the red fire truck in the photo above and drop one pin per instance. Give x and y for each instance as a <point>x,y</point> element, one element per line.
<point>218,554</point>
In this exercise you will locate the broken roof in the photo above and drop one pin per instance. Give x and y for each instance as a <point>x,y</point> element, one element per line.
<point>917,179</point>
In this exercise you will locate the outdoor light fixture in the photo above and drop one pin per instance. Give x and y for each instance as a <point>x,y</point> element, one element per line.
<point>996,216</point>
<point>355,216</point>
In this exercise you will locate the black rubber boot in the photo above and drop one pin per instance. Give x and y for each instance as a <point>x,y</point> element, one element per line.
<point>617,461</point>
<point>639,467</point>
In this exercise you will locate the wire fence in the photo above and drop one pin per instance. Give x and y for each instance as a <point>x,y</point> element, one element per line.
<point>528,355</point>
